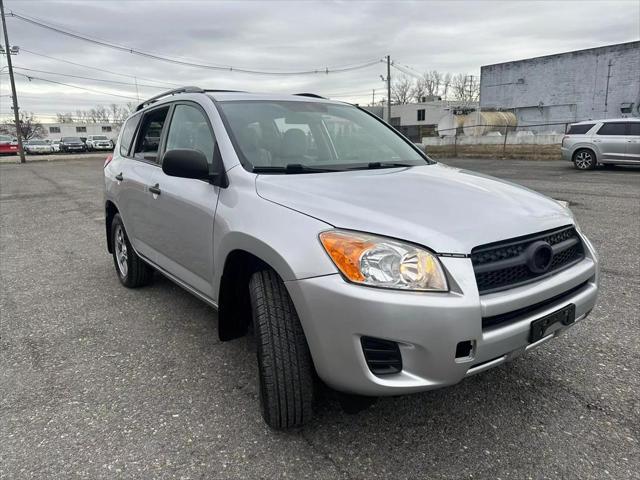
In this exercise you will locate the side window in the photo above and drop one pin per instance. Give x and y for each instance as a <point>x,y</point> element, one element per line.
<point>634,129</point>
<point>613,128</point>
<point>189,129</point>
<point>128,131</point>
<point>149,135</point>
<point>579,129</point>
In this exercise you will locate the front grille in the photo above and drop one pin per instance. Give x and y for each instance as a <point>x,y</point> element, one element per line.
<point>383,356</point>
<point>507,264</point>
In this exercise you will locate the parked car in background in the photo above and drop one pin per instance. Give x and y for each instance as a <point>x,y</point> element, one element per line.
<point>56,145</point>
<point>611,141</point>
<point>34,147</point>
<point>8,145</point>
<point>98,142</point>
<point>72,144</point>
<point>350,254</point>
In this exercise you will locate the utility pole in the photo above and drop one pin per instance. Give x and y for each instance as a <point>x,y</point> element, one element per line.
<point>606,95</point>
<point>14,95</point>
<point>373,98</point>
<point>388,88</point>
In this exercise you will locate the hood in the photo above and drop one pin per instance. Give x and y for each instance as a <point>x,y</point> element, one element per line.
<point>445,209</point>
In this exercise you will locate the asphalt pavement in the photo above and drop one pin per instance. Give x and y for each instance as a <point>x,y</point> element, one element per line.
<point>98,381</point>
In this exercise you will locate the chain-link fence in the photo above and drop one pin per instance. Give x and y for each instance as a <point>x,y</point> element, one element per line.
<point>531,141</point>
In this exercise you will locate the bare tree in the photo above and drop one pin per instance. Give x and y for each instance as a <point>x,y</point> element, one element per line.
<point>29,127</point>
<point>114,113</point>
<point>465,88</point>
<point>64,117</point>
<point>401,90</point>
<point>428,85</point>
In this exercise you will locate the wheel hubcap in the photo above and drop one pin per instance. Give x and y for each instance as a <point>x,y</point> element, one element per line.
<point>583,160</point>
<point>121,251</point>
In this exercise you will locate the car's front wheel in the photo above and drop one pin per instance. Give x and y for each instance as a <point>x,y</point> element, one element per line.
<point>285,368</point>
<point>131,270</point>
<point>584,159</point>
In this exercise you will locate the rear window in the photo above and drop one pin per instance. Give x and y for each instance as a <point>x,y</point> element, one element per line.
<point>128,131</point>
<point>580,128</point>
<point>612,128</point>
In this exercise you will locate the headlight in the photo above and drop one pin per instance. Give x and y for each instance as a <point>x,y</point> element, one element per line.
<point>382,262</point>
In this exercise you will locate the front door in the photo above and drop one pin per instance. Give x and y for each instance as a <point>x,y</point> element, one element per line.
<point>182,209</point>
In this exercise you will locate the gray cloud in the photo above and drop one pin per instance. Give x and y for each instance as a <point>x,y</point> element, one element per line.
<point>453,36</point>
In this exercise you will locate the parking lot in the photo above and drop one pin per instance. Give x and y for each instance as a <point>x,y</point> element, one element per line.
<point>99,381</point>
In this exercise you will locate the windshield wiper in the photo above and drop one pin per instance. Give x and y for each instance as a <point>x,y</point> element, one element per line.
<point>374,165</point>
<point>291,168</point>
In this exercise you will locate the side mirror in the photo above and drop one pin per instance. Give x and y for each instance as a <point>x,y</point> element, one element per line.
<point>185,163</point>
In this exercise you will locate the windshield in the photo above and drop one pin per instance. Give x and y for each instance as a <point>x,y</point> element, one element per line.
<point>99,137</point>
<point>301,137</point>
<point>37,142</point>
<point>71,140</point>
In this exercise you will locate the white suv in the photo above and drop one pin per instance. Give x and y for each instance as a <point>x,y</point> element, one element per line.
<point>351,255</point>
<point>613,141</point>
<point>98,142</point>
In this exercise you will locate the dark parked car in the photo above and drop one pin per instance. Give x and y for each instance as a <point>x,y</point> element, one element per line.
<point>72,144</point>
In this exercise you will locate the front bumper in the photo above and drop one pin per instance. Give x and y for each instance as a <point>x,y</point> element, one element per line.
<point>102,147</point>
<point>428,326</point>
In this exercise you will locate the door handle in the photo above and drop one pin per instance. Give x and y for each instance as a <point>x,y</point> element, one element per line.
<point>119,177</point>
<point>155,189</point>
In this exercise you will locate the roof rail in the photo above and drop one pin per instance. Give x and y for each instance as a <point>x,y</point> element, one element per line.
<point>169,93</point>
<point>312,95</point>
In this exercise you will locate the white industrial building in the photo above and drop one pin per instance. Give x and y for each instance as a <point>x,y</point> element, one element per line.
<point>417,120</point>
<point>55,131</point>
<point>586,84</point>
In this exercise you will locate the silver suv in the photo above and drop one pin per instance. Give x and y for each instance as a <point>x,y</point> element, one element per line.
<point>615,141</point>
<point>350,256</point>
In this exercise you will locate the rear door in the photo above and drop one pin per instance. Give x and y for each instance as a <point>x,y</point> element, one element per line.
<point>611,140</point>
<point>136,175</point>
<point>633,141</point>
<point>182,211</point>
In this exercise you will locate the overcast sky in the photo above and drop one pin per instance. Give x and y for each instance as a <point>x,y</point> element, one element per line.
<point>451,36</point>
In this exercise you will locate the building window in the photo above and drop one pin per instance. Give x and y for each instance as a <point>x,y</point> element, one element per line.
<point>81,129</point>
<point>54,129</point>
<point>395,121</point>
<point>106,128</point>
<point>421,115</point>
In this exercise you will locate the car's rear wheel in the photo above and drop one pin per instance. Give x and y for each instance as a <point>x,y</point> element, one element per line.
<point>584,159</point>
<point>131,269</point>
<point>285,368</point>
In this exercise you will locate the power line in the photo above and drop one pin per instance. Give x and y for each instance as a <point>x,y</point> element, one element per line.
<point>104,43</point>
<point>89,78</point>
<point>22,49</point>
<point>404,70</point>
<point>30,77</point>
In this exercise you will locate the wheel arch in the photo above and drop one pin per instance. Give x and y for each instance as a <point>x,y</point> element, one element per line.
<point>586,146</point>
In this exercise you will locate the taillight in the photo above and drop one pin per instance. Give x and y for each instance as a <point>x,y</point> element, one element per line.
<point>108,159</point>
<point>563,139</point>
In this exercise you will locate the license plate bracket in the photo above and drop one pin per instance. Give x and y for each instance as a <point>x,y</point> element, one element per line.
<point>566,316</point>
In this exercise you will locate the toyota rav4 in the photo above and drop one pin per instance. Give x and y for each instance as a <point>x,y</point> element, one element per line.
<point>351,256</point>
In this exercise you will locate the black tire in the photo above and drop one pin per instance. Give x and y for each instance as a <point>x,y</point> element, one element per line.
<point>285,368</point>
<point>584,159</point>
<point>137,273</point>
